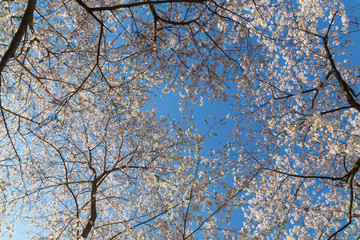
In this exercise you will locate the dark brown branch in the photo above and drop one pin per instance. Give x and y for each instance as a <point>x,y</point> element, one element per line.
<point>8,131</point>
<point>191,195</point>
<point>214,212</point>
<point>93,211</point>
<point>348,176</point>
<point>350,208</point>
<point>348,91</point>
<point>343,178</point>
<point>288,95</point>
<point>335,110</point>
<point>176,23</point>
<point>136,4</point>
<point>20,116</point>
<point>88,10</point>
<point>146,221</point>
<point>25,22</point>
<point>156,18</point>
<point>353,171</point>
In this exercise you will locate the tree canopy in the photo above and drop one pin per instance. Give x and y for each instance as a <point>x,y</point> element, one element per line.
<point>83,155</point>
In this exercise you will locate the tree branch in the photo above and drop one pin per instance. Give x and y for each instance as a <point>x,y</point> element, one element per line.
<point>25,22</point>
<point>136,4</point>
<point>348,91</point>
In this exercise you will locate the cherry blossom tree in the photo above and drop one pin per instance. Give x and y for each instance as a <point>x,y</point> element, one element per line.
<point>81,157</point>
<point>305,99</point>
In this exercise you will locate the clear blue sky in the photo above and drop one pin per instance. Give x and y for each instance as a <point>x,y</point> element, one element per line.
<point>169,105</point>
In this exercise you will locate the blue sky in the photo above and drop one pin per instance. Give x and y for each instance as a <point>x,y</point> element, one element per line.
<point>169,105</point>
